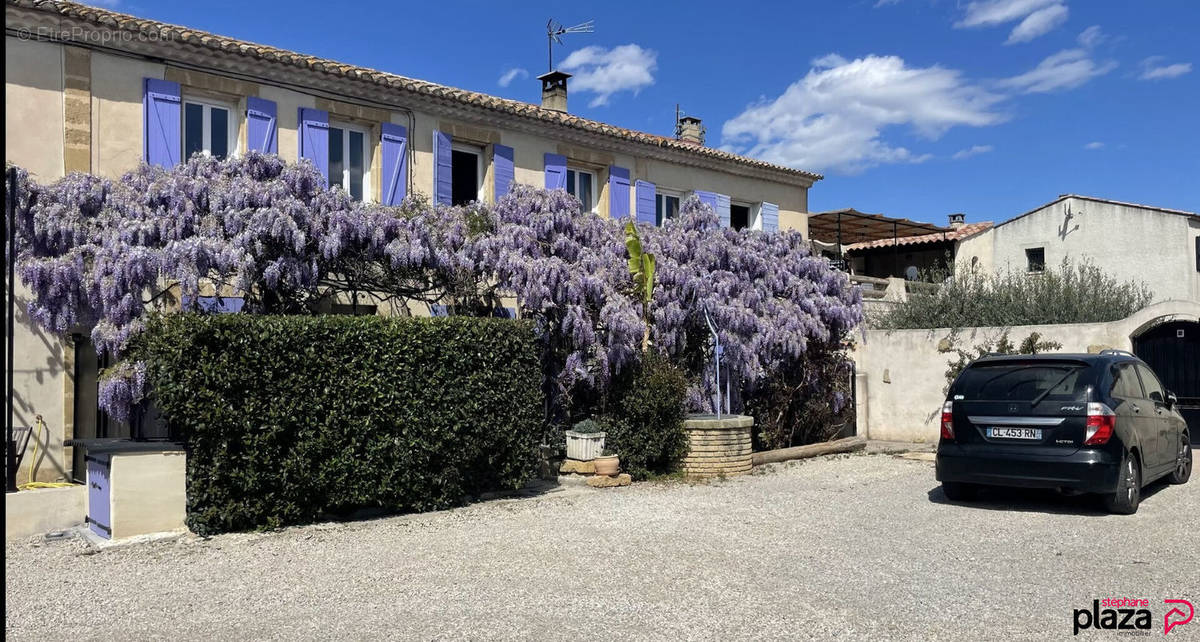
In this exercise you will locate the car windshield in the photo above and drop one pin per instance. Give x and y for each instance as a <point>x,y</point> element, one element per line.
<point>1058,381</point>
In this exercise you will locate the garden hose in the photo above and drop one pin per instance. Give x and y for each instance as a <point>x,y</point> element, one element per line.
<point>30,485</point>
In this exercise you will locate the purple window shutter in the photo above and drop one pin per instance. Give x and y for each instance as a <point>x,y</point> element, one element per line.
<point>708,198</point>
<point>394,147</point>
<point>261,123</point>
<point>723,210</point>
<point>314,139</point>
<point>556,171</point>
<point>217,304</point>
<point>162,138</point>
<point>503,170</point>
<point>770,217</point>
<point>618,192</point>
<point>443,185</point>
<point>645,203</point>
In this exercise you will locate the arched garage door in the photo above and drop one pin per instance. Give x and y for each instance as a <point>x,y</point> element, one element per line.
<point>1173,351</point>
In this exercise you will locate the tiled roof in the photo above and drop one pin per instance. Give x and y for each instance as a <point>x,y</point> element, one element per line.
<point>955,234</point>
<point>203,39</point>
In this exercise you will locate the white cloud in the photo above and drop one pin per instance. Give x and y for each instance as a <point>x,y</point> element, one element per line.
<point>835,116</point>
<point>1067,69</point>
<point>1038,23</point>
<point>973,150</point>
<point>1153,69</point>
<point>1037,17</point>
<point>609,71</point>
<point>1094,145</point>
<point>1091,37</point>
<point>884,3</point>
<point>512,74</point>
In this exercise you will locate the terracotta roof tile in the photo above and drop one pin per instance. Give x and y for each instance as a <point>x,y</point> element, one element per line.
<point>968,230</point>
<point>213,41</point>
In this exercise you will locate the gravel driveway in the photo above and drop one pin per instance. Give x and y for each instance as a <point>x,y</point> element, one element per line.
<point>860,546</point>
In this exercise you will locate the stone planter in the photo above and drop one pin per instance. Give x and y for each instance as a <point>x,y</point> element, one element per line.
<point>717,446</point>
<point>608,465</point>
<point>584,446</point>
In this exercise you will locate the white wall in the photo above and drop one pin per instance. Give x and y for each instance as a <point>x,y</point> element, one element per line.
<point>901,373</point>
<point>1129,243</point>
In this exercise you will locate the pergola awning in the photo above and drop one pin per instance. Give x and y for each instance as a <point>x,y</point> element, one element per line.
<point>852,226</point>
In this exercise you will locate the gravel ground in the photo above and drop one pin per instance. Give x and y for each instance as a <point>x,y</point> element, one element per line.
<point>860,546</point>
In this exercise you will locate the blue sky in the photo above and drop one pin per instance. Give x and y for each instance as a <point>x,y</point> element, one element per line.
<point>913,108</point>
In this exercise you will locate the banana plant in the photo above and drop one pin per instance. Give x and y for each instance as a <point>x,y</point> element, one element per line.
<point>641,268</point>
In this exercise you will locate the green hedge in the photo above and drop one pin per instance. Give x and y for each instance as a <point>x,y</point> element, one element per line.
<point>645,418</point>
<point>288,420</point>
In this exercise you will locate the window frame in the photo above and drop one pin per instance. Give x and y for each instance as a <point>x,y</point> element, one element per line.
<point>368,156</point>
<point>1162,390</point>
<point>1029,267</point>
<point>753,214</point>
<point>477,150</point>
<point>660,196</point>
<point>1136,381</point>
<point>577,170</point>
<point>231,124</point>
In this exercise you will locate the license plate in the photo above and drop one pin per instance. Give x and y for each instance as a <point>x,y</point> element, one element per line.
<point>1014,433</point>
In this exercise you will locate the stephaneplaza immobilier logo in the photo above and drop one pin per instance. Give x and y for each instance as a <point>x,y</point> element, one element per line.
<point>1131,614</point>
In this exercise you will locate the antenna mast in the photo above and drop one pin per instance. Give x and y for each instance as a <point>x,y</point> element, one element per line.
<point>554,33</point>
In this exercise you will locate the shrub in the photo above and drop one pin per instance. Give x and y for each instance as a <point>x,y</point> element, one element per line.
<point>807,404</point>
<point>1071,293</point>
<point>588,427</point>
<point>645,420</point>
<point>290,418</point>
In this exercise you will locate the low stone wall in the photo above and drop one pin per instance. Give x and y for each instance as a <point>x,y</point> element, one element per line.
<point>901,373</point>
<point>39,511</point>
<point>717,446</point>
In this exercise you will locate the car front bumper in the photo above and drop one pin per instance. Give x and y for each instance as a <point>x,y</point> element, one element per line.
<point>1086,470</point>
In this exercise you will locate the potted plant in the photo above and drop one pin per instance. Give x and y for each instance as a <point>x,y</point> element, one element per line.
<point>586,441</point>
<point>608,464</point>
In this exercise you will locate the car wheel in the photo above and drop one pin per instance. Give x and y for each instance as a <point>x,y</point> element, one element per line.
<point>1125,500</point>
<point>1183,462</point>
<point>959,492</point>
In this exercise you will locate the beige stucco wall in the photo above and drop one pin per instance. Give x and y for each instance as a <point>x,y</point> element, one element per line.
<point>148,493</point>
<point>33,106</point>
<point>1129,243</point>
<point>901,374</point>
<point>117,111</point>
<point>36,512</point>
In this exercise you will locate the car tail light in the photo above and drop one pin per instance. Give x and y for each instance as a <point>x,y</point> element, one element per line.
<point>1101,422</point>
<point>948,420</point>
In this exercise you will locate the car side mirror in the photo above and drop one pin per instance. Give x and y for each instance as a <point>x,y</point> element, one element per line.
<point>1171,399</point>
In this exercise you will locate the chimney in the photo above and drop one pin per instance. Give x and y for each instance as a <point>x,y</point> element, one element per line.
<point>957,220</point>
<point>554,90</point>
<point>689,129</point>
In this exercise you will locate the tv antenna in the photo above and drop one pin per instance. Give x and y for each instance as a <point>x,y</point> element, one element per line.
<point>554,31</point>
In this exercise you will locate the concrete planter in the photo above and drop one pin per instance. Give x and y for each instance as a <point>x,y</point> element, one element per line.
<point>717,446</point>
<point>584,446</point>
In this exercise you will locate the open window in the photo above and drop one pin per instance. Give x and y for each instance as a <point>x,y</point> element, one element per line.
<point>208,128</point>
<point>466,173</point>
<point>666,206</point>
<point>582,185</point>
<point>1035,259</point>
<point>350,159</point>
<point>739,216</point>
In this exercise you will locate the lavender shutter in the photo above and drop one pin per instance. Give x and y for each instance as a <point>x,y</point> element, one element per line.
<point>314,138</point>
<point>556,171</point>
<point>443,183</point>
<point>618,192</point>
<point>162,138</point>
<point>723,209</point>
<point>646,193</point>
<point>393,144</point>
<point>770,217</point>
<point>261,123</point>
<point>708,198</point>
<point>503,170</point>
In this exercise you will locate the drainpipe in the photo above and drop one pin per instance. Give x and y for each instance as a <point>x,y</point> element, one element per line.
<point>10,291</point>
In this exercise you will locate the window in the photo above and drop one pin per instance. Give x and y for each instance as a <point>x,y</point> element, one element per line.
<point>1125,382</point>
<point>1024,381</point>
<point>1035,259</point>
<point>466,174</point>
<point>207,129</point>
<point>348,160</point>
<point>666,206</point>
<point>1154,390</point>
<point>582,185</point>
<point>739,216</point>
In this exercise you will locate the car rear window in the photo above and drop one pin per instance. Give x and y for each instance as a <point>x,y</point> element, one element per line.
<point>1017,381</point>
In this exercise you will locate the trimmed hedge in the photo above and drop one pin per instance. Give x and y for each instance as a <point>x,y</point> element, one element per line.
<point>645,422</point>
<point>291,419</point>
